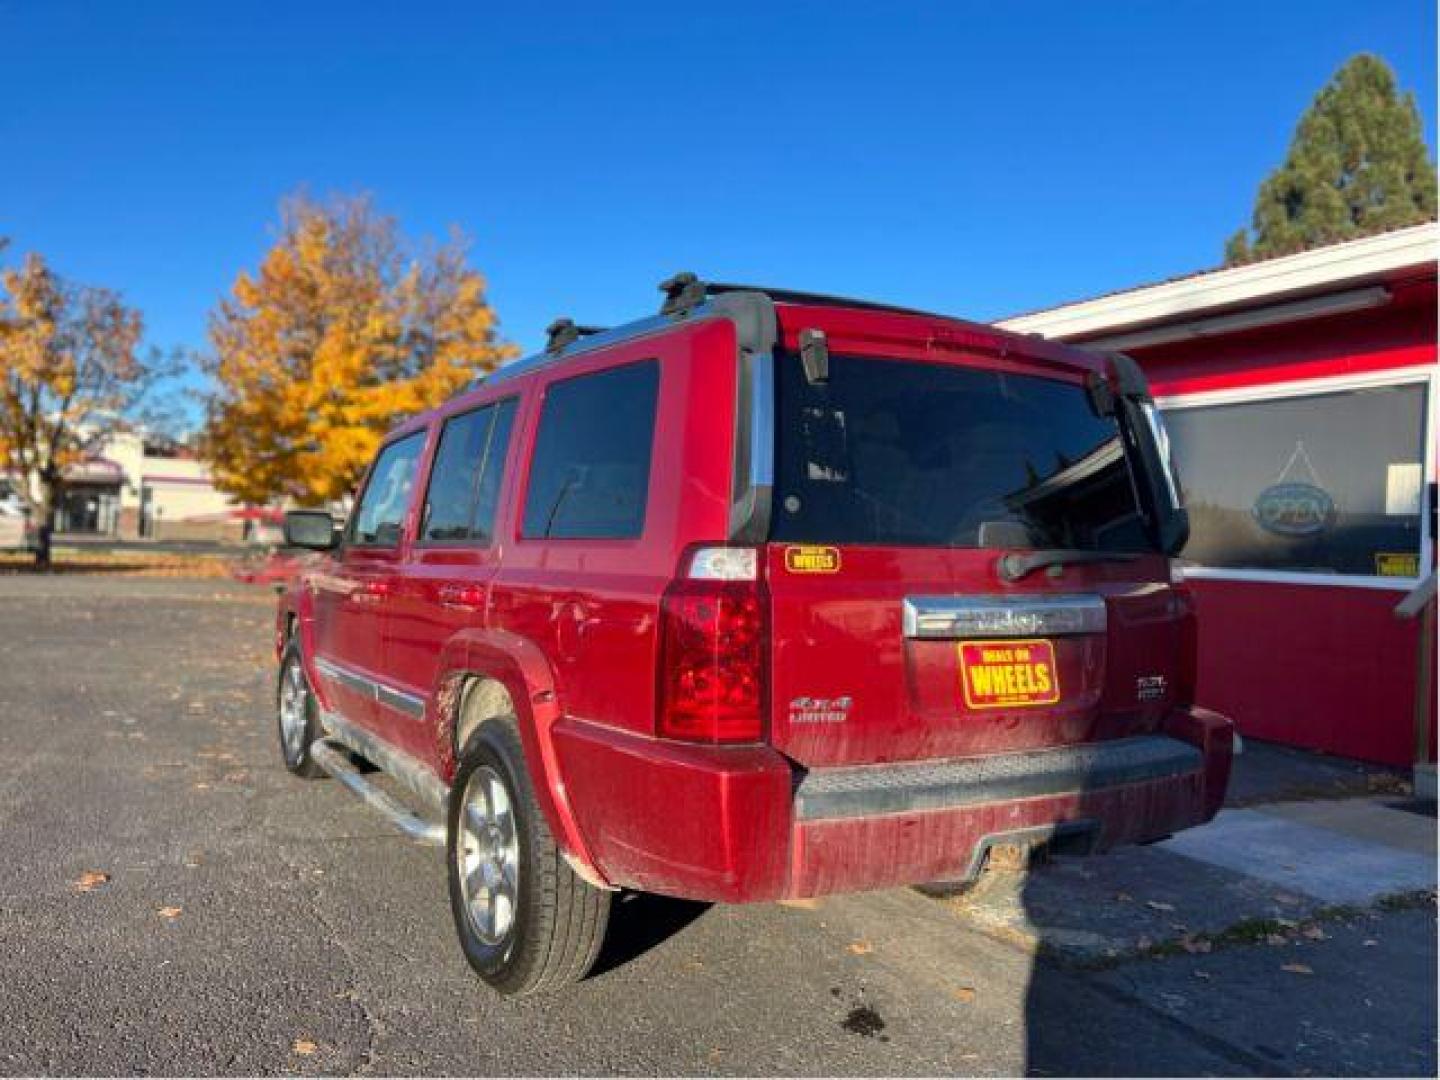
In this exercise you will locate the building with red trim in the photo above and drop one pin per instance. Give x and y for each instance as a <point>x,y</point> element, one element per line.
<point>1300,398</point>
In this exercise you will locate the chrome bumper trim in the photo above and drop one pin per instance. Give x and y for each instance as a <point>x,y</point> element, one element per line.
<point>1002,616</point>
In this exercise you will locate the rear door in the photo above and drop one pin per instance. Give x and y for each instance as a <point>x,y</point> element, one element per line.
<point>445,583</point>
<point>900,484</point>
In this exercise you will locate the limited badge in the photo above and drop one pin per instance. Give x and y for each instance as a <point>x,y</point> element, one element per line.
<point>809,559</point>
<point>1007,674</point>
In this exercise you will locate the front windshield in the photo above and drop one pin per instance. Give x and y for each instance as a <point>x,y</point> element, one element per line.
<point>939,455</point>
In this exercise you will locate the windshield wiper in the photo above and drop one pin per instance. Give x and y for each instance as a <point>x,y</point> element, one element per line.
<point>1014,565</point>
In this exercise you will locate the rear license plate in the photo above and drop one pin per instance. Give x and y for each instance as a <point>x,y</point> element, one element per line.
<point>1008,674</point>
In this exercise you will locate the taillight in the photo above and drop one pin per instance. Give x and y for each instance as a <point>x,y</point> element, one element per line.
<point>714,628</point>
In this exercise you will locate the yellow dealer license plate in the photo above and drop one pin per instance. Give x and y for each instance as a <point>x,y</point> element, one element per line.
<point>1007,674</point>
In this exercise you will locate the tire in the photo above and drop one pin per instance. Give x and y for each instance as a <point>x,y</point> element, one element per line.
<point>556,921</point>
<point>296,731</point>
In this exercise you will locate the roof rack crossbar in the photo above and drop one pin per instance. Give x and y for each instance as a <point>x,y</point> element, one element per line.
<point>796,296</point>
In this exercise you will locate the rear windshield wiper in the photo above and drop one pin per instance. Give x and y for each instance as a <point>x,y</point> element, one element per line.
<point>1014,565</point>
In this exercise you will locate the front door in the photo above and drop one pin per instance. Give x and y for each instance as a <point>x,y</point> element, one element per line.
<point>352,598</point>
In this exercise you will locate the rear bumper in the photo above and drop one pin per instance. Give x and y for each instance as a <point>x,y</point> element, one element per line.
<point>739,824</point>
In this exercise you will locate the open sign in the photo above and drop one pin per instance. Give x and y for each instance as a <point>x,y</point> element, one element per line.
<point>1294,509</point>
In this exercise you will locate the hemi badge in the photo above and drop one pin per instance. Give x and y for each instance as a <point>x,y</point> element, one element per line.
<point>807,559</point>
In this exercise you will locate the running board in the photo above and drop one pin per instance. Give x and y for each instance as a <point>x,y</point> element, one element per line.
<point>411,773</point>
<point>330,755</point>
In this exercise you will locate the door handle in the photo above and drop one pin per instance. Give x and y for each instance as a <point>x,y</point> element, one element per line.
<point>372,592</point>
<point>462,597</point>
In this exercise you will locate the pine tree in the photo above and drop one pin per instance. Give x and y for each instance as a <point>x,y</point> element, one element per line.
<point>1357,165</point>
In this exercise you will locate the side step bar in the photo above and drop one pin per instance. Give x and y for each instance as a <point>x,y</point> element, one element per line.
<point>329,754</point>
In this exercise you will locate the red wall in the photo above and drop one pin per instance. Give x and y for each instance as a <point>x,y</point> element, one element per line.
<point>1326,668</point>
<point>1319,666</point>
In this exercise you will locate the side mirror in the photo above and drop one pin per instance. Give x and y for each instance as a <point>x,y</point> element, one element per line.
<point>313,529</point>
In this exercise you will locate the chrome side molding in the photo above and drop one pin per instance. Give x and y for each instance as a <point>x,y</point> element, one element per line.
<point>384,693</point>
<point>1003,616</point>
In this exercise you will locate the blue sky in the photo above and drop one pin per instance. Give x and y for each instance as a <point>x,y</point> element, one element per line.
<point>976,158</point>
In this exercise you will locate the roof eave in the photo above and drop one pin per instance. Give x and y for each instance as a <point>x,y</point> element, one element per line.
<point>1145,310</point>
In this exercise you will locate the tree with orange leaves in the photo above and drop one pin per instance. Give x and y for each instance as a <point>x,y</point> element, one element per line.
<point>69,375</point>
<point>344,329</point>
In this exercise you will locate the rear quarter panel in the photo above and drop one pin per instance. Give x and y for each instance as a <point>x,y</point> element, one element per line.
<point>592,606</point>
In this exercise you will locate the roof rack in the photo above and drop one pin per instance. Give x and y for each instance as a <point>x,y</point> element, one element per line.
<point>684,293</point>
<point>564,332</point>
<point>685,290</point>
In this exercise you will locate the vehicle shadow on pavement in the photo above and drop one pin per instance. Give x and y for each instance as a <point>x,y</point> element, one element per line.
<point>640,922</point>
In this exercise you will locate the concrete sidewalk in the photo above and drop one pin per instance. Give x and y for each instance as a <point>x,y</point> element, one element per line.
<point>1250,874</point>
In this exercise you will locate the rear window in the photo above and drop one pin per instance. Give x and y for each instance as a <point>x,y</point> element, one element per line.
<point>590,473</point>
<point>937,455</point>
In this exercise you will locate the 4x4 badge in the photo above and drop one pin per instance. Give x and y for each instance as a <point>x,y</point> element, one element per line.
<point>1150,687</point>
<point>809,559</point>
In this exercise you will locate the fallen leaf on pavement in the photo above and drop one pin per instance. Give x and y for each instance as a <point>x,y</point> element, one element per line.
<point>861,948</point>
<point>303,1047</point>
<point>91,880</point>
<point>963,993</point>
<point>168,912</point>
<point>1298,969</point>
<point>1158,905</point>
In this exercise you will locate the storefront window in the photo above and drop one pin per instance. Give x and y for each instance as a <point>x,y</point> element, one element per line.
<point>1325,483</point>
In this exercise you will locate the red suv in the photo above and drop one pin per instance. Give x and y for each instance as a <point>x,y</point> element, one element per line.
<point>770,596</point>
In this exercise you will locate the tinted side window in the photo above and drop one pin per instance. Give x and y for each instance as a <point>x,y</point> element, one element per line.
<point>590,473</point>
<point>451,494</point>
<point>482,521</point>
<point>381,513</point>
<point>465,481</point>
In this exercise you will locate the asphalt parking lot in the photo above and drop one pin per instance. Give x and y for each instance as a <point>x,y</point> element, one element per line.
<point>172,901</point>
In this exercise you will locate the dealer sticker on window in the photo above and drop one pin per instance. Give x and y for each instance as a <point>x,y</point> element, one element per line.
<point>1007,674</point>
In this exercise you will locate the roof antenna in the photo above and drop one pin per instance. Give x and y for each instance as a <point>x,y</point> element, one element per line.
<point>682,292</point>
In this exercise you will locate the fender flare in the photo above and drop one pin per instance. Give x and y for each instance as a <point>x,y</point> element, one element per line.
<point>519,665</point>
